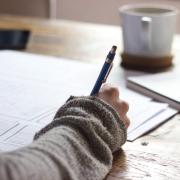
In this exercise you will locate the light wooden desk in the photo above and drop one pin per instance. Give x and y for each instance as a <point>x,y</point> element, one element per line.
<point>160,158</point>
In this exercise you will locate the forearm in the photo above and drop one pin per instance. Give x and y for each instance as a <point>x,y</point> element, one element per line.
<point>78,144</point>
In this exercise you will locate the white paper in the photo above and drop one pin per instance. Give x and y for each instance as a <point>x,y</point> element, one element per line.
<point>33,87</point>
<point>151,123</point>
<point>145,112</point>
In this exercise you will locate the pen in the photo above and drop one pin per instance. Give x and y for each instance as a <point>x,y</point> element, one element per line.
<point>104,71</point>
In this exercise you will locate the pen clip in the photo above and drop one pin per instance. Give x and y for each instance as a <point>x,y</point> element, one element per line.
<point>107,74</point>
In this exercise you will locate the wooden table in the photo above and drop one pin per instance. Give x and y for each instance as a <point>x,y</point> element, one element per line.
<point>154,156</point>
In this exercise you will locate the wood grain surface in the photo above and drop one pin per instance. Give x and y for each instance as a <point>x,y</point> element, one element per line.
<point>154,156</point>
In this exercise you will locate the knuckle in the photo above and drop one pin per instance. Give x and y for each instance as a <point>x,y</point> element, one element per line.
<point>125,105</point>
<point>114,88</point>
<point>114,91</point>
<point>110,90</point>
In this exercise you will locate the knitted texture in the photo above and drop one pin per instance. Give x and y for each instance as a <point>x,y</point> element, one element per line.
<point>77,145</point>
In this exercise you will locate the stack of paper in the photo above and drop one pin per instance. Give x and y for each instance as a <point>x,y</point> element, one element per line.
<point>144,113</point>
<point>33,87</point>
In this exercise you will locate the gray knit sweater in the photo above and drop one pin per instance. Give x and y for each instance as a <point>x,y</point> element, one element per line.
<point>77,145</point>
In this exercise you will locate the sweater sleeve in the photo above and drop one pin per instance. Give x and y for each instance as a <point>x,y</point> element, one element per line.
<point>77,145</point>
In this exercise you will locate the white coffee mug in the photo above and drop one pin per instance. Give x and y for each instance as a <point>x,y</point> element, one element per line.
<point>148,30</point>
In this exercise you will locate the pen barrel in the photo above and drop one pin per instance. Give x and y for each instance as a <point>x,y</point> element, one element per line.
<point>110,56</point>
<point>100,79</point>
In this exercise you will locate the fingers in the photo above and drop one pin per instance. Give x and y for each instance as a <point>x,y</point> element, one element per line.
<point>125,120</point>
<point>110,94</point>
<point>123,106</point>
<point>109,90</point>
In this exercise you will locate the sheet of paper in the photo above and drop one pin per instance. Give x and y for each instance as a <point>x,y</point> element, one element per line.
<point>33,87</point>
<point>151,123</point>
<point>144,112</point>
<point>16,133</point>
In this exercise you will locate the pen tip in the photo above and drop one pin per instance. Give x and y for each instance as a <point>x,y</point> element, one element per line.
<point>113,49</point>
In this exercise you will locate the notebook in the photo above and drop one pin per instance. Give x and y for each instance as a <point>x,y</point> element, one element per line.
<point>164,87</point>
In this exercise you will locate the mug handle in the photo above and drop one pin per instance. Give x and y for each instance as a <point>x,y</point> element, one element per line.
<point>146,32</point>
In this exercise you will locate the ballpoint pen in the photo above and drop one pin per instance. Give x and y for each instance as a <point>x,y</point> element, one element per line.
<point>104,71</point>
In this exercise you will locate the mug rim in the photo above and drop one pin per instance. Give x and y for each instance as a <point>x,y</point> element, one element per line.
<point>125,10</point>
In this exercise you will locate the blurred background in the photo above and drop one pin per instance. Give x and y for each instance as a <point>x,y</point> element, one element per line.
<point>95,11</point>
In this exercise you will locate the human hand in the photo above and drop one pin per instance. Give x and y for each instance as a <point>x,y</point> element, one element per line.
<point>110,94</point>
